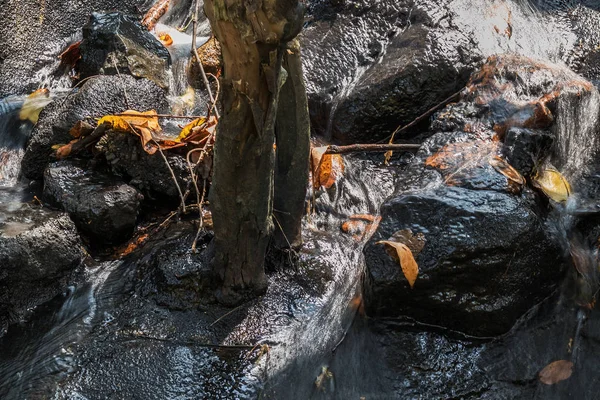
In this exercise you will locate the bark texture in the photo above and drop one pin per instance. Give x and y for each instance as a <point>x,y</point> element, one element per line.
<point>254,36</point>
<point>292,131</point>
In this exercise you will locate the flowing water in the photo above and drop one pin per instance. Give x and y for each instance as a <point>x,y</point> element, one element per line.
<point>321,346</point>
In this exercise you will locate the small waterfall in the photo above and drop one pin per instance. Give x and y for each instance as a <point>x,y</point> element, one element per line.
<point>576,129</point>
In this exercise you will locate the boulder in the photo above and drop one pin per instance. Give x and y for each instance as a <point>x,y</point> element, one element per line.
<point>148,173</point>
<point>487,257</point>
<point>101,207</point>
<point>174,276</point>
<point>374,66</point>
<point>485,243</point>
<point>116,40</point>
<point>36,33</point>
<point>36,264</point>
<point>97,97</point>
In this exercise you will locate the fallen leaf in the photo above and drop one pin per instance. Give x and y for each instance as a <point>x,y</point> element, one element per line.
<point>415,242</point>
<point>553,184</point>
<point>133,245</point>
<point>81,128</point>
<point>34,104</point>
<point>187,130</point>
<point>71,55</point>
<point>165,38</point>
<point>323,377</point>
<point>361,226</point>
<point>556,371</point>
<point>509,172</point>
<point>326,168</point>
<point>64,151</point>
<point>142,124</point>
<point>402,254</point>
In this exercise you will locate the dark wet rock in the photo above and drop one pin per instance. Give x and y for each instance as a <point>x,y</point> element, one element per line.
<point>35,265</point>
<point>36,33</point>
<point>100,206</point>
<point>174,276</point>
<point>487,259</point>
<point>381,72</point>
<point>97,97</point>
<point>146,172</point>
<point>115,39</point>
<point>527,149</point>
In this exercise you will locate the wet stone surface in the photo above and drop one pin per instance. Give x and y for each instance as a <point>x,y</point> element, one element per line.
<point>101,206</point>
<point>97,97</point>
<point>36,264</point>
<point>115,40</point>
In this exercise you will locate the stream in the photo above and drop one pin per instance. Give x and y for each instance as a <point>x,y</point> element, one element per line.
<point>138,326</point>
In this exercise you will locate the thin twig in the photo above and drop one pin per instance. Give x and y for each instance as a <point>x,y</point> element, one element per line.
<point>195,53</point>
<point>81,82</point>
<point>355,148</point>
<point>162,116</point>
<point>123,84</point>
<point>172,175</point>
<point>193,343</point>
<point>423,116</point>
<point>217,95</point>
<point>227,314</point>
<point>201,220</point>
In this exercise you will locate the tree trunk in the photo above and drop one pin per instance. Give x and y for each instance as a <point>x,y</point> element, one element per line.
<point>253,35</point>
<point>292,131</point>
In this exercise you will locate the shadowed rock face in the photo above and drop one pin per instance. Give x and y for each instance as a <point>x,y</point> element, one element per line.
<point>36,264</point>
<point>101,207</point>
<point>97,97</point>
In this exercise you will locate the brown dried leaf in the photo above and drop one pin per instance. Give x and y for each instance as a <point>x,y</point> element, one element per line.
<point>402,254</point>
<point>556,371</point>
<point>142,124</point>
<point>507,170</point>
<point>415,242</point>
<point>71,55</point>
<point>81,128</point>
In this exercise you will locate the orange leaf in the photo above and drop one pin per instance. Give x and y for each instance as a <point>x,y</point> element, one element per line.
<point>142,124</point>
<point>556,371</point>
<point>165,38</point>
<point>401,253</point>
<point>331,169</point>
<point>64,151</point>
<point>81,128</point>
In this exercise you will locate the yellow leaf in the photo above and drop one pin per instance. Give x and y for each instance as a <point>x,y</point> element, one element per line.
<point>187,130</point>
<point>553,184</point>
<point>402,254</point>
<point>34,104</point>
<point>142,124</point>
<point>556,371</point>
<point>165,38</point>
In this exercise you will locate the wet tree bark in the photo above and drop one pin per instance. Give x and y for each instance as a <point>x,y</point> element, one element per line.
<point>254,35</point>
<point>292,131</point>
